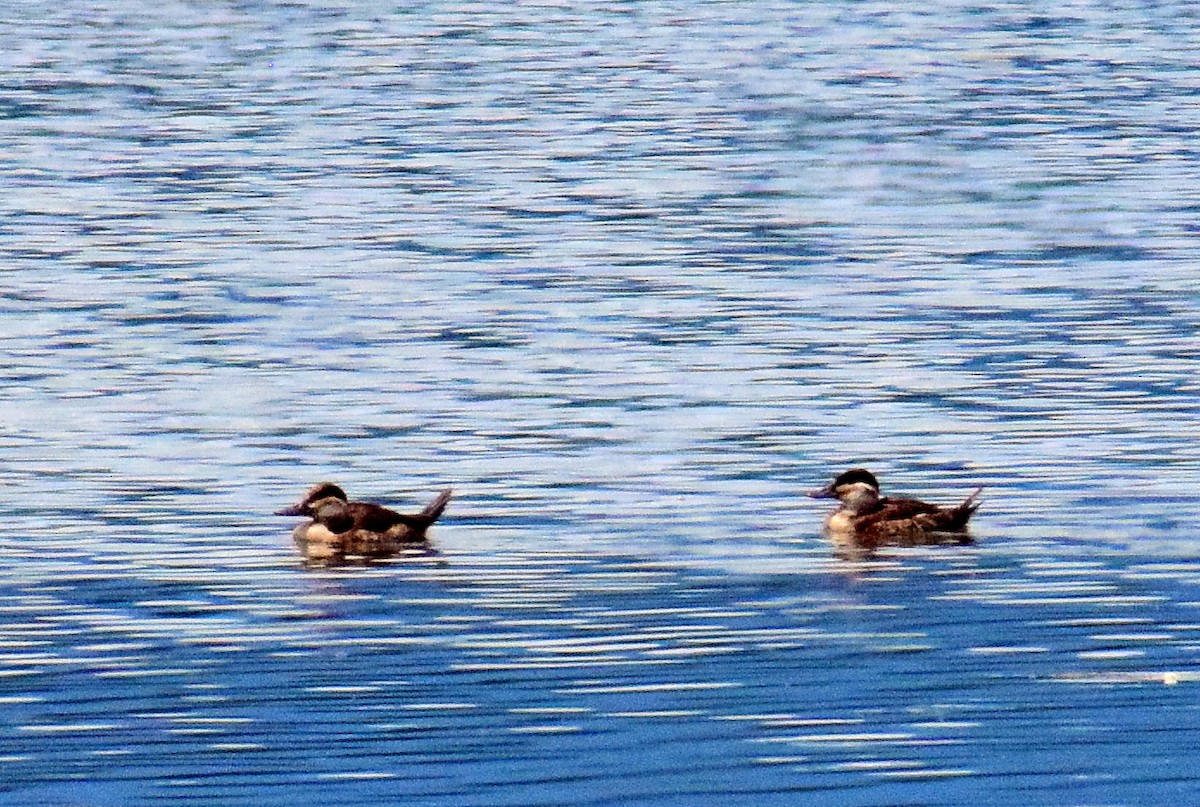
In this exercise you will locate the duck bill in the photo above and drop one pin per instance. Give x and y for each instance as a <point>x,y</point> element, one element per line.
<point>294,510</point>
<point>822,493</point>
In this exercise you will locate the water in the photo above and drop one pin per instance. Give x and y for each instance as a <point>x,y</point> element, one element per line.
<point>630,280</point>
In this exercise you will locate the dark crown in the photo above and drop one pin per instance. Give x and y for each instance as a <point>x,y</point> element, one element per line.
<point>855,475</point>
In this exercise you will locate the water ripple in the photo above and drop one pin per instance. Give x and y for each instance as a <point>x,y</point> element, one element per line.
<point>630,279</point>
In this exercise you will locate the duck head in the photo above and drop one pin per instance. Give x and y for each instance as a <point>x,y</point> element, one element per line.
<point>331,512</point>
<point>857,490</point>
<point>319,492</point>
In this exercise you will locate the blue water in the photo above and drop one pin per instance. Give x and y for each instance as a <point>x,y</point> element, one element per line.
<point>630,279</point>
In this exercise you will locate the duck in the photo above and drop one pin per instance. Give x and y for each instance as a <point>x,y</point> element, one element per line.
<point>340,529</point>
<point>866,520</point>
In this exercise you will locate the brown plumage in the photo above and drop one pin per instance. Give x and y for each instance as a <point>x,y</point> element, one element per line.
<point>340,529</point>
<point>865,520</point>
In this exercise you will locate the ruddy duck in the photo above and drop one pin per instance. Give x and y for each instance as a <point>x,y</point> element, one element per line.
<point>867,520</point>
<point>340,528</point>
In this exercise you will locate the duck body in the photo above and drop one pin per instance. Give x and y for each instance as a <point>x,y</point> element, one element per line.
<point>865,520</point>
<point>340,529</point>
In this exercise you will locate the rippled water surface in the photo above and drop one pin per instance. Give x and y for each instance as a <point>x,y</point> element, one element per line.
<point>630,278</point>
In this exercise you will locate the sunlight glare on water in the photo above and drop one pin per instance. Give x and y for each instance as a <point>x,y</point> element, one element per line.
<point>630,279</point>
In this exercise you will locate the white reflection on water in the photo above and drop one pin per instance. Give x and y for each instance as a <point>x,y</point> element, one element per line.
<point>859,672</point>
<point>629,279</point>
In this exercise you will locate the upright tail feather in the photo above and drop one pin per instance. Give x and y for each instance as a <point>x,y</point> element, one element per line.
<point>967,509</point>
<point>434,511</point>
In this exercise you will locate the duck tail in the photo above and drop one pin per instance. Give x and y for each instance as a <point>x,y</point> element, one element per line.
<point>434,510</point>
<point>968,507</point>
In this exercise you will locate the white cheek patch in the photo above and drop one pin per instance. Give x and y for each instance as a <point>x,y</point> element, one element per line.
<point>854,490</point>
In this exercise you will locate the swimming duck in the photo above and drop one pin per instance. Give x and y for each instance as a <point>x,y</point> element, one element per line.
<point>340,528</point>
<point>867,520</point>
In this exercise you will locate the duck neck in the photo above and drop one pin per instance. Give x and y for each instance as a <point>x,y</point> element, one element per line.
<point>860,500</point>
